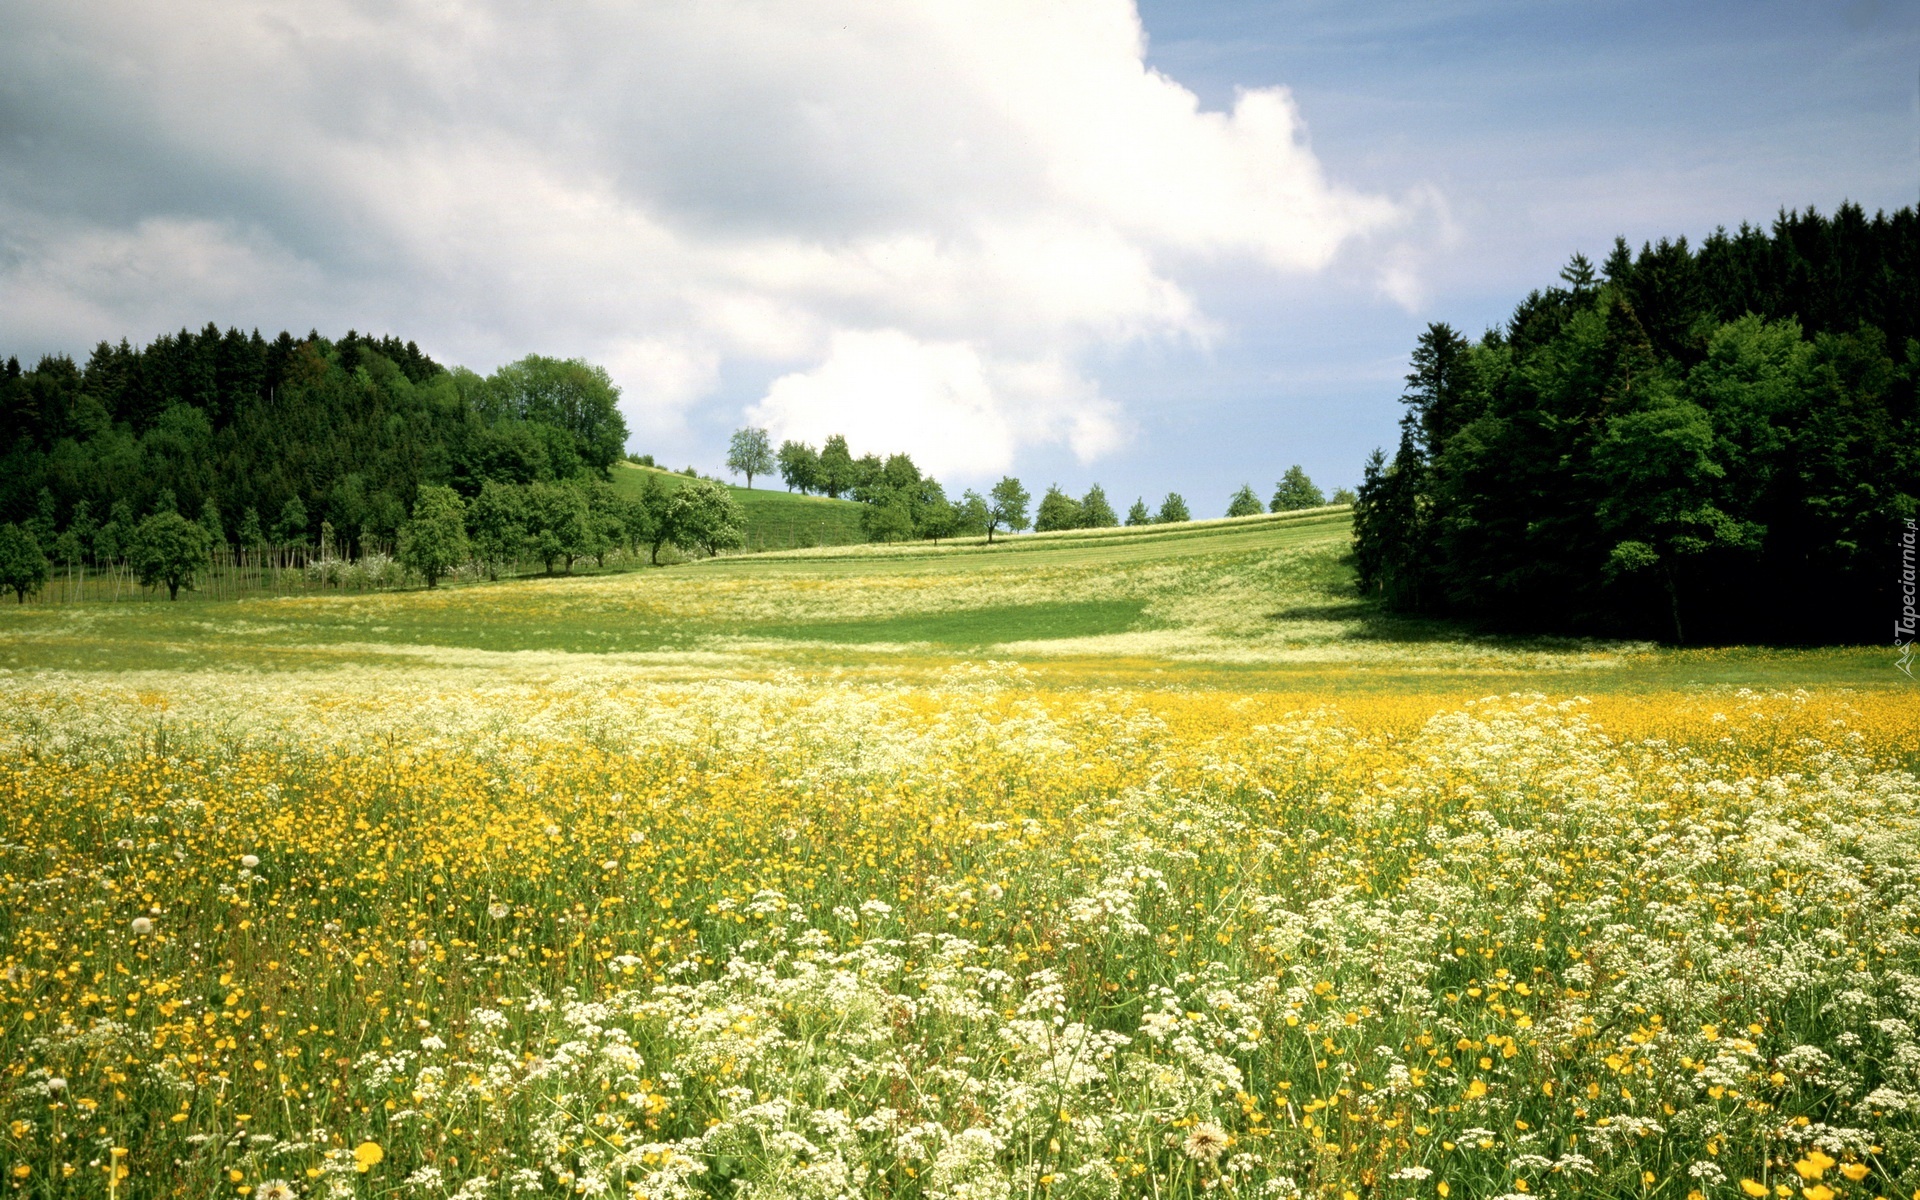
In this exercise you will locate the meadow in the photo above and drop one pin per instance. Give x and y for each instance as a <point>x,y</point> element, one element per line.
<point>1147,863</point>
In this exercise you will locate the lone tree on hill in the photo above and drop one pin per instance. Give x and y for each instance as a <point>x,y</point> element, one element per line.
<point>435,540</point>
<point>169,549</point>
<point>1006,506</point>
<point>23,568</point>
<point>750,453</point>
<point>1245,503</point>
<point>1295,490</point>
<point>1173,510</point>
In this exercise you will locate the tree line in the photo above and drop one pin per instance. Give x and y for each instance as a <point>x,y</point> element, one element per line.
<point>902,502</point>
<point>147,458</point>
<point>1699,444</point>
<point>554,523</point>
<point>299,432</point>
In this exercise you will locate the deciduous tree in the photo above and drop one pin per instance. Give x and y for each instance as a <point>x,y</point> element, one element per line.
<point>434,540</point>
<point>750,453</point>
<point>169,549</point>
<point>1057,511</point>
<point>23,568</point>
<point>1006,506</point>
<point>1296,491</point>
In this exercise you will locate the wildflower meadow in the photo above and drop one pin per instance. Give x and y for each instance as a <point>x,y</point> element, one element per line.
<point>1208,906</point>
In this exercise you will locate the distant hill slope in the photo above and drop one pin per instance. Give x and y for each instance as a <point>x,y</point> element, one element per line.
<point>776,520</point>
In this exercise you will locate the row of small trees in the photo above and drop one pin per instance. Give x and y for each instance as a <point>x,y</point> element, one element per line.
<point>562,523</point>
<point>554,523</point>
<point>904,503</point>
<point>163,549</point>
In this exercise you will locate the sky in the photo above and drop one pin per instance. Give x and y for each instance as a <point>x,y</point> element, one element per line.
<point>1176,245</point>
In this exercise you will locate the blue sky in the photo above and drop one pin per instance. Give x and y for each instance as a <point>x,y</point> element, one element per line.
<point>1172,247</point>
<point>1547,128</point>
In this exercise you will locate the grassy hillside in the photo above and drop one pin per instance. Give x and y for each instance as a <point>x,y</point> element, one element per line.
<point>1262,601</point>
<point>776,519</point>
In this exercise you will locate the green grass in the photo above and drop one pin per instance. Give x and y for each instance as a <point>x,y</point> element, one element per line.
<point>775,519</point>
<point>1256,603</point>
<point>978,627</point>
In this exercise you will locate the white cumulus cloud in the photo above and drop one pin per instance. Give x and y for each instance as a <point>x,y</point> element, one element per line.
<point>916,219</point>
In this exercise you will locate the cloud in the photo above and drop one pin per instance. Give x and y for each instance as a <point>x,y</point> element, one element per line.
<point>915,218</point>
<point>956,410</point>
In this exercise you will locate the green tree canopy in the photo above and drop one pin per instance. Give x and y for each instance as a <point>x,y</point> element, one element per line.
<point>1007,506</point>
<point>558,526</point>
<point>169,549</point>
<point>750,453</point>
<point>1095,511</point>
<point>1698,443</point>
<point>838,474</point>
<point>498,522</point>
<point>1296,491</point>
<point>434,540</point>
<point>1172,510</point>
<point>799,465</point>
<point>23,568</point>
<point>971,516</point>
<point>1057,511</point>
<point>1139,514</point>
<point>1245,502</point>
<point>570,395</point>
<point>291,528</point>
<point>702,516</point>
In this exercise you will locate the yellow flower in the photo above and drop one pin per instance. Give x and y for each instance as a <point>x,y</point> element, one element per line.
<point>1814,1165</point>
<point>1476,1089</point>
<point>1818,1191</point>
<point>1753,1189</point>
<point>1855,1171</point>
<point>1443,1189</point>
<point>367,1156</point>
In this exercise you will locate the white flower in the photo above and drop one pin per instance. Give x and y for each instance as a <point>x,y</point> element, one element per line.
<point>56,1084</point>
<point>142,926</point>
<point>274,1189</point>
<point>498,911</point>
<point>249,861</point>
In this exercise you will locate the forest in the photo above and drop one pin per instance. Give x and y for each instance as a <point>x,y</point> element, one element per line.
<point>290,434</point>
<point>1697,444</point>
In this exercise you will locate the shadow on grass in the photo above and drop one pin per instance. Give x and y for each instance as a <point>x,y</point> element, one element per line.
<point>1374,622</point>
